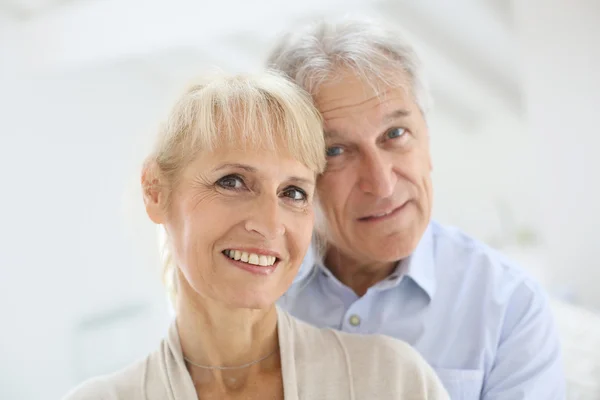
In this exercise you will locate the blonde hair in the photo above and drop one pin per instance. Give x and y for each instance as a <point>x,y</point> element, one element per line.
<point>264,109</point>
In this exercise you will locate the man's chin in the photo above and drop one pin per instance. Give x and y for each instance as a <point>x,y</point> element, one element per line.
<point>389,248</point>
<point>388,257</point>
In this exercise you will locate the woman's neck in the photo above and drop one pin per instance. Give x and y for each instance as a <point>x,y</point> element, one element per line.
<point>212,334</point>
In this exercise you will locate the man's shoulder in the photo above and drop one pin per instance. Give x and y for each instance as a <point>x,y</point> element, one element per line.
<point>457,253</point>
<point>453,246</point>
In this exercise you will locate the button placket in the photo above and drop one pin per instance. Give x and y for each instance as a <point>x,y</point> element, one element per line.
<point>355,317</point>
<point>354,320</point>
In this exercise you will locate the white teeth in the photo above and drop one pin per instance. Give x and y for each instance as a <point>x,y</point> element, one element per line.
<point>251,258</point>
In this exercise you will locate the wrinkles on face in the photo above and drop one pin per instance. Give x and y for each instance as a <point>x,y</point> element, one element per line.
<point>234,200</point>
<point>378,161</point>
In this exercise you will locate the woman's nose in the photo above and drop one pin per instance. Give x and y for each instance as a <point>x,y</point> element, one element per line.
<point>266,218</point>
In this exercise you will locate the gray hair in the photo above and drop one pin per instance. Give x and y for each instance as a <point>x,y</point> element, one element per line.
<point>313,54</point>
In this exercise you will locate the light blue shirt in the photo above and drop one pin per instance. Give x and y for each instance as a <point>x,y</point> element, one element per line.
<point>479,320</point>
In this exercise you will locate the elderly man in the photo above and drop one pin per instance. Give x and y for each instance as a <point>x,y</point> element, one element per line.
<point>385,267</point>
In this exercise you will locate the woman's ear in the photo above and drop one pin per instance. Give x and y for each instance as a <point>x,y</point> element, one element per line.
<point>153,193</point>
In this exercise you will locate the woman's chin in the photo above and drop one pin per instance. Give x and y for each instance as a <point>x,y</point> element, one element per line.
<point>253,303</point>
<point>252,294</point>
<point>252,298</point>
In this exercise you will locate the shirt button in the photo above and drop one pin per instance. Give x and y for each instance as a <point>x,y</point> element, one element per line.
<point>355,320</point>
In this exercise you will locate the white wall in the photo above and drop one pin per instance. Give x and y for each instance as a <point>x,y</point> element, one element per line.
<point>485,183</point>
<point>68,153</point>
<point>479,169</point>
<point>560,48</point>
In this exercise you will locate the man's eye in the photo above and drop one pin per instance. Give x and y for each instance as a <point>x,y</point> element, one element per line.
<point>231,182</point>
<point>334,151</point>
<point>395,133</point>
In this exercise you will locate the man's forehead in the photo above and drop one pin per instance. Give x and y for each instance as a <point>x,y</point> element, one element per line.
<point>382,107</point>
<point>349,89</point>
<point>383,112</point>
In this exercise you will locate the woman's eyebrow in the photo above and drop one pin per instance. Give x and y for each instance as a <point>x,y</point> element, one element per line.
<point>299,180</point>
<point>235,165</point>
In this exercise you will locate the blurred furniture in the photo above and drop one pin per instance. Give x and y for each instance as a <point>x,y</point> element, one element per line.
<point>580,336</point>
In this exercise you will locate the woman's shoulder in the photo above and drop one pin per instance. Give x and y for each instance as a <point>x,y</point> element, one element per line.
<point>392,366</point>
<point>394,353</point>
<point>358,344</point>
<point>391,363</point>
<point>123,384</point>
<point>99,388</point>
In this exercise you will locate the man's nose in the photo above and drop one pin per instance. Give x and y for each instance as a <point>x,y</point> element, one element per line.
<point>377,176</point>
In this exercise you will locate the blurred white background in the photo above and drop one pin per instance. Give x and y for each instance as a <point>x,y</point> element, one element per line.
<point>84,83</point>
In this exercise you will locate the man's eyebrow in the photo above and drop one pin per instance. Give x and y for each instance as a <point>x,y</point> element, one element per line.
<point>396,114</point>
<point>331,135</point>
<point>387,118</point>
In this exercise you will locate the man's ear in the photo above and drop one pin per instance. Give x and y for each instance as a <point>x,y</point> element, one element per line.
<point>153,193</point>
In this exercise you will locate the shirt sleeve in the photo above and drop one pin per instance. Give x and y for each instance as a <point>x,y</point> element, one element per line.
<point>528,363</point>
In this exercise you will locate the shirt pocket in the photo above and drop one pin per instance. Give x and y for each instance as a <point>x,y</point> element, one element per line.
<point>461,384</point>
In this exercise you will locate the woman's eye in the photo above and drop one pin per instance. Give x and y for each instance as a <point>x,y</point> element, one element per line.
<point>334,151</point>
<point>295,194</point>
<point>231,182</point>
<point>395,133</point>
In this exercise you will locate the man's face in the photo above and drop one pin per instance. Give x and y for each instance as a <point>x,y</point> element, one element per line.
<point>376,192</point>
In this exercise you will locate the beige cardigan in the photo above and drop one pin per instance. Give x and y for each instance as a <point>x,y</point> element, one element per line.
<point>316,364</point>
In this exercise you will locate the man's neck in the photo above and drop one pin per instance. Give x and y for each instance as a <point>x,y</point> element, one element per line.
<point>358,276</point>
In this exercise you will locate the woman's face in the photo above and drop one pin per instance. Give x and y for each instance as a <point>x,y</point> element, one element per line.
<point>239,223</point>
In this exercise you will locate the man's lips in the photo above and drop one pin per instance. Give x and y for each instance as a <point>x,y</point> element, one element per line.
<point>383,214</point>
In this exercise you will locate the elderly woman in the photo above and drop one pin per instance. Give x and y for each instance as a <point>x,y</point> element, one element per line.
<point>232,182</point>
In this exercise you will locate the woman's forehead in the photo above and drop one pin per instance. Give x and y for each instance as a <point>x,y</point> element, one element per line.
<point>260,159</point>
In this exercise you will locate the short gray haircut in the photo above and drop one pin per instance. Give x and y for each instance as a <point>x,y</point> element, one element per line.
<point>311,55</point>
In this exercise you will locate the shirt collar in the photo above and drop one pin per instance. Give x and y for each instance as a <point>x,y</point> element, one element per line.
<point>419,267</point>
